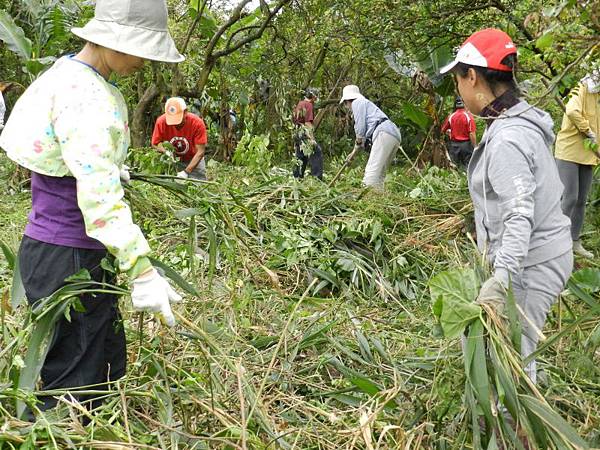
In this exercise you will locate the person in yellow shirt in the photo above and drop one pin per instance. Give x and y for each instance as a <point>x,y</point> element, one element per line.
<point>575,158</point>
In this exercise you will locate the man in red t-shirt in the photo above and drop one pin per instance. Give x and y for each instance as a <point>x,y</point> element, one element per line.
<point>461,129</point>
<point>187,133</point>
<point>308,151</point>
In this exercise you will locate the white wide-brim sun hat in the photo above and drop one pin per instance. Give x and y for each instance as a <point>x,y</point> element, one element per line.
<point>134,27</point>
<point>350,92</point>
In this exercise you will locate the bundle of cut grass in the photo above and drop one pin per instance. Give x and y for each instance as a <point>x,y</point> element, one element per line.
<point>506,408</point>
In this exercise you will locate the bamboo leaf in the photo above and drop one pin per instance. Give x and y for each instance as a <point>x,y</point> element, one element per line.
<point>17,290</point>
<point>514,320</point>
<point>476,370</point>
<point>175,277</point>
<point>9,254</point>
<point>549,417</point>
<point>359,380</point>
<point>212,249</point>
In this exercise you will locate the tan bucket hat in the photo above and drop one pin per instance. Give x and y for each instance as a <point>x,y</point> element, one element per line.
<point>134,27</point>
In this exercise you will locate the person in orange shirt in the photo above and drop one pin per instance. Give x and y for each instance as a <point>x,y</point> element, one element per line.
<point>186,132</point>
<point>461,129</point>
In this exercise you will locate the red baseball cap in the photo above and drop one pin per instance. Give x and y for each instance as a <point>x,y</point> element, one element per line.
<point>484,48</point>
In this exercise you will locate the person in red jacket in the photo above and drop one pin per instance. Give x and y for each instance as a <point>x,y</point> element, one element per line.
<point>187,133</point>
<point>461,129</point>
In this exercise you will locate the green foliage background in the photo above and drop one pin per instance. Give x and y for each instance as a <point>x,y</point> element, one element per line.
<point>313,327</point>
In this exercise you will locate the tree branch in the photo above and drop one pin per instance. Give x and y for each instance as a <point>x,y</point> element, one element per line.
<point>252,36</point>
<point>236,15</point>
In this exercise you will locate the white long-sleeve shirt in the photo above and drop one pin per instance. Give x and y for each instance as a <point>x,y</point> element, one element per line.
<point>72,122</point>
<point>366,115</point>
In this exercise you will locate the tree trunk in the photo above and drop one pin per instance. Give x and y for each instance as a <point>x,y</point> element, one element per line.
<point>138,138</point>
<point>204,74</point>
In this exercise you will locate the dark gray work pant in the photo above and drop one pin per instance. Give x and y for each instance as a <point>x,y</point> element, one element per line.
<point>315,160</point>
<point>460,152</point>
<point>577,180</point>
<point>89,349</point>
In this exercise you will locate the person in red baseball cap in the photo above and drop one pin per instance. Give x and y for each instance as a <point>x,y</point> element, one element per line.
<point>514,185</point>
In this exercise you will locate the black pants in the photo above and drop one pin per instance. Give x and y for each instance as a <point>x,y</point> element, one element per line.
<point>315,160</point>
<point>460,152</point>
<point>90,349</point>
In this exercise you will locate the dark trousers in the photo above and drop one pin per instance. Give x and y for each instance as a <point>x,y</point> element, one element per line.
<point>460,152</point>
<point>577,180</point>
<point>90,349</point>
<point>315,160</point>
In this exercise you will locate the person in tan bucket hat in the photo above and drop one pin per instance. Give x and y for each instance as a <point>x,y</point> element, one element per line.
<point>133,27</point>
<point>70,128</point>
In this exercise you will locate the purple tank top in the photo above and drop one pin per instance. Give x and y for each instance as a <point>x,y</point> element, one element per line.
<point>55,217</point>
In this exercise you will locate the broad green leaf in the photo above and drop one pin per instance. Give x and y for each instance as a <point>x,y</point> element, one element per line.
<point>37,65</point>
<point>81,275</point>
<point>588,279</point>
<point>417,116</point>
<point>452,293</point>
<point>14,36</point>
<point>545,41</point>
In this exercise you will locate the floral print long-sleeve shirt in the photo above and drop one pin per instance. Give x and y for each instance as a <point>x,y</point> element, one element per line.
<point>72,122</point>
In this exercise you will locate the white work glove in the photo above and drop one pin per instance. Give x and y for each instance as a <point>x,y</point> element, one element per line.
<point>355,151</point>
<point>183,174</point>
<point>592,137</point>
<point>493,291</point>
<point>153,293</point>
<point>124,174</point>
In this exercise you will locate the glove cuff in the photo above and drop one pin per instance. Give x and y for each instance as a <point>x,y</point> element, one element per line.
<point>502,275</point>
<point>141,265</point>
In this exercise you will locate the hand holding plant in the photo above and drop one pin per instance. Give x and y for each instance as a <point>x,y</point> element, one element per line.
<point>493,293</point>
<point>151,292</point>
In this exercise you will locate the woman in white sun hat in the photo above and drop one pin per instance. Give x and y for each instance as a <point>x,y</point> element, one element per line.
<point>371,125</point>
<point>70,128</point>
<point>514,185</point>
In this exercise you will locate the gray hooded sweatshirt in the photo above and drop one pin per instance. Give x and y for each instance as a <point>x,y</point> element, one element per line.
<point>516,192</point>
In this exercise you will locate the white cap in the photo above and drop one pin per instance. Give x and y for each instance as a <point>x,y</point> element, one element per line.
<point>350,92</point>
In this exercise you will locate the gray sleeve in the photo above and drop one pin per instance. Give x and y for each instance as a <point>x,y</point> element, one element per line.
<point>513,181</point>
<point>359,110</point>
